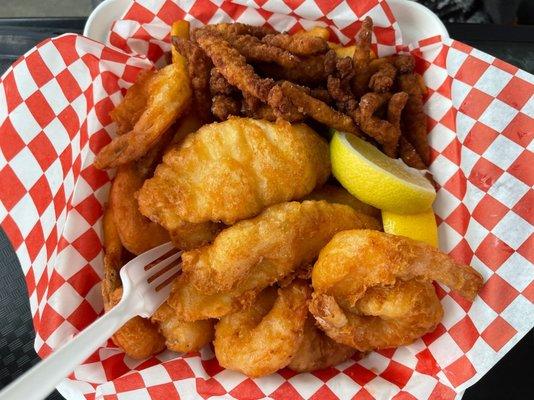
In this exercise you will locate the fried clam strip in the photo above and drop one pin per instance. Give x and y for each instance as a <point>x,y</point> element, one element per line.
<point>139,338</point>
<point>408,154</point>
<point>301,45</point>
<point>169,94</point>
<point>263,338</point>
<point>282,106</point>
<point>380,130</point>
<point>180,336</point>
<point>405,63</point>
<point>254,108</point>
<point>270,232</point>
<point>226,99</point>
<point>362,57</point>
<point>198,66</point>
<point>318,351</point>
<point>374,290</point>
<point>395,106</point>
<point>232,170</point>
<point>314,108</point>
<point>256,51</point>
<point>243,250</point>
<point>232,65</point>
<point>130,109</point>
<point>338,85</point>
<point>382,80</point>
<point>413,118</point>
<point>238,28</point>
<point>311,70</point>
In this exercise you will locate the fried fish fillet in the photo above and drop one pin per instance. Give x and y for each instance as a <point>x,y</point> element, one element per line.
<point>253,254</point>
<point>229,171</point>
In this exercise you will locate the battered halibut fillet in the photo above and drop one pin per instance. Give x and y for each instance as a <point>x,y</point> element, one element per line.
<point>230,171</point>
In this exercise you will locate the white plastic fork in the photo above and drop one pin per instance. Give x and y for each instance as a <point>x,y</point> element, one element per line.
<point>146,285</point>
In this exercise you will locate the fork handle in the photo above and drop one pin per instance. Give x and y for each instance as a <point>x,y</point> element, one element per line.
<point>40,380</point>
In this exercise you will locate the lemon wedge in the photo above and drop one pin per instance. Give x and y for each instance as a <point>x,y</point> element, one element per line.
<point>376,179</point>
<point>420,226</point>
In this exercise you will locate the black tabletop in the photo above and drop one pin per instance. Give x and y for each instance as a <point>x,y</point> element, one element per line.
<point>510,379</point>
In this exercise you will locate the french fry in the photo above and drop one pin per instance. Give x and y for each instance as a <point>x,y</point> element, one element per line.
<point>317,31</point>
<point>179,28</point>
<point>347,51</point>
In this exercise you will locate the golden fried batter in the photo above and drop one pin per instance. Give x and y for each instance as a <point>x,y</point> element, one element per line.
<point>318,351</point>
<point>263,338</point>
<point>257,253</point>
<point>138,234</point>
<point>373,290</point>
<point>181,336</point>
<point>169,95</point>
<point>231,170</point>
<point>303,45</point>
<point>280,240</point>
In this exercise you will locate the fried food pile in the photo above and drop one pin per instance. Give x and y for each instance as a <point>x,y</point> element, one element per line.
<point>219,153</point>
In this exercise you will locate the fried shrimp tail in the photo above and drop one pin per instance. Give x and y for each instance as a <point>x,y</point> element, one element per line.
<point>139,338</point>
<point>138,234</point>
<point>263,338</point>
<point>368,281</point>
<point>318,351</point>
<point>181,336</point>
<point>169,96</point>
<point>387,316</point>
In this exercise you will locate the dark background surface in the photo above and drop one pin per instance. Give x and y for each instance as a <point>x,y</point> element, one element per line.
<point>510,379</point>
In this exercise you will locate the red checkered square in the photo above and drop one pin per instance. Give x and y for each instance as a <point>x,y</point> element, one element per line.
<point>397,374</point>
<point>484,174</point>
<point>10,142</point>
<point>480,137</point>
<point>497,293</point>
<point>247,389</point>
<point>516,93</point>
<point>163,392</point>
<point>464,333</point>
<point>524,207</point>
<point>475,103</point>
<point>493,251</point>
<point>471,70</point>
<point>43,151</point>
<point>522,169</point>
<point>42,113</point>
<point>520,130</point>
<point>12,193</point>
<point>498,333</point>
<point>489,211</point>
<point>359,374</point>
<point>69,85</point>
<point>460,371</point>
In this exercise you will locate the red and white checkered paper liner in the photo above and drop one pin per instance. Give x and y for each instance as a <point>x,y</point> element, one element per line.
<point>54,105</point>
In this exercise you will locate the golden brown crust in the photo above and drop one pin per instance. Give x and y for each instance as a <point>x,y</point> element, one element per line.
<point>232,170</point>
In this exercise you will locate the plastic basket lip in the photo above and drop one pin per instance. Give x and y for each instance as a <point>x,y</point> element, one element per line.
<point>416,22</point>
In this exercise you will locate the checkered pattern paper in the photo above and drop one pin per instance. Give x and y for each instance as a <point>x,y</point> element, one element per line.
<point>54,105</point>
